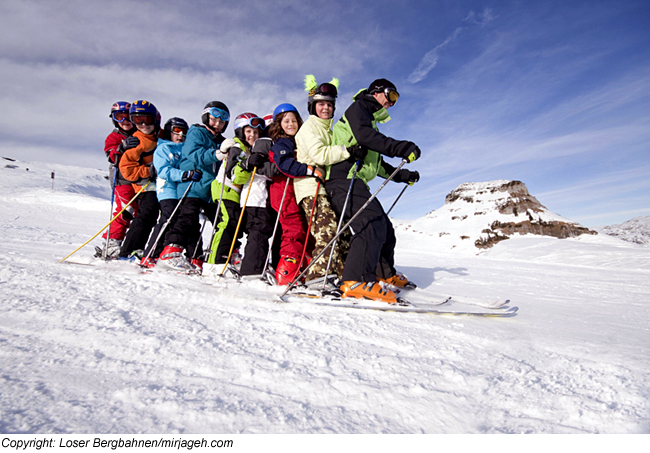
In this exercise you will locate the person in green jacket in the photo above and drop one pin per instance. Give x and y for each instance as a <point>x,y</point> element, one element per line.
<point>372,246</point>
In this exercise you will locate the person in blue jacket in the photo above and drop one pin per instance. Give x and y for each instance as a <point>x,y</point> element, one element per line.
<point>198,155</point>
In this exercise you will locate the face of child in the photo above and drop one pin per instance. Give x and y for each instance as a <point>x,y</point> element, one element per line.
<point>177,137</point>
<point>289,124</point>
<point>125,125</point>
<point>140,122</point>
<point>216,124</point>
<point>251,134</point>
<point>324,110</point>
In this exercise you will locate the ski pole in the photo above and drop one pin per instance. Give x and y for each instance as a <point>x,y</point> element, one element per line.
<point>164,227</point>
<point>216,215</point>
<point>104,227</point>
<point>234,240</point>
<point>110,214</point>
<point>345,207</point>
<point>275,228</point>
<point>397,199</point>
<point>345,227</point>
<point>311,216</point>
<point>200,241</point>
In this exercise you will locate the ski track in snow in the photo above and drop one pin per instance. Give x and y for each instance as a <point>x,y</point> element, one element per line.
<point>105,349</point>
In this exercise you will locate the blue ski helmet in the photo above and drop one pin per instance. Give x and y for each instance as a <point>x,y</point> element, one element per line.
<point>119,106</point>
<point>284,108</point>
<point>142,107</point>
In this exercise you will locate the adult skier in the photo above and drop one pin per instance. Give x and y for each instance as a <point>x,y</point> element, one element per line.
<point>372,246</point>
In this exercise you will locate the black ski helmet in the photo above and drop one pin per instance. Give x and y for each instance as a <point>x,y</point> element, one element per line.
<point>323,92</point>
<point>174,122</point>
<point>219,105</point>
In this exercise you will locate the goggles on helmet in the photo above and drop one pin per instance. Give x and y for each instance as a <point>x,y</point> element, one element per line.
<point>327,89</point>
<point>120,116</point>
<point>179,130</point>
<point>254,122</point>
<point>217,113</point>
<point>391,95</point>
<point>142,119</point>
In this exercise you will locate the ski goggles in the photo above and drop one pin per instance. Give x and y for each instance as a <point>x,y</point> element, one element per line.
<point>179,130</point>
<point>391,94</point>
<point>142,119</point>
<point>120,116</point>
<point>253,122</point>
<point>327,89</point>
<point>217,113</point>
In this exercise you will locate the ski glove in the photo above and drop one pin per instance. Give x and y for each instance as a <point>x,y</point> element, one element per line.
<point>406,176</point>
<point>409,151</point>
<point>223,149</point>
<point>357,152</point>
<point>127,143</point>
<point>255,160</point>
<point>191,175</point>
<point>316,172</point>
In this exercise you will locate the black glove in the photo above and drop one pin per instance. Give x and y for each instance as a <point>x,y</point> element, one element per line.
<point>127,143</point>
<point>406,176</point>
<point>408,151</point>
<point>255,160</point>
<point>152,172</point>
<point>191,175</point>
<point>357,152</point>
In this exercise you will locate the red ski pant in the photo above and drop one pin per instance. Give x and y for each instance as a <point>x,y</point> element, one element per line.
<point>123,195</point>
<point>291,220</point>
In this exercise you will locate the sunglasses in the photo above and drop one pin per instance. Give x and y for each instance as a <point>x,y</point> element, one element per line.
<point>217,113</point>
<point>391,95</point>
<point>255,122</point>
<point>179,130</point>
<point>142,119</point>
<point>120,116</point>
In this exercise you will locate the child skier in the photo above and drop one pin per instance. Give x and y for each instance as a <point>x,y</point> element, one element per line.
<point>116,143</point>
<point>136,166</point>
<point>198,156</point>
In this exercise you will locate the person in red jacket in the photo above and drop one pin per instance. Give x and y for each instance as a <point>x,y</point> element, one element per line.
<point>118,141</point>
<point>136,166</point>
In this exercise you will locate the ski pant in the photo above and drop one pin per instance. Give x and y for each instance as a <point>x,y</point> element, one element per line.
<point>186,230</point>
<point>224,234</point>
<point>166,209</point>
<point>142,224</point>
<point>123,195</point>
<point>372,245</point>
<point>293,227</point>
<point>323,228</point>
<point>259,227</point>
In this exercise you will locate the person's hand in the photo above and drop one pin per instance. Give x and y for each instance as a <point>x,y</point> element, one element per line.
<point>409,151</point>
<point>316,172</point>
<point>127,143</point>
<point>256,160</point>
<point>357,152</point>
<point>191,175</point>
<point>407,176</point>
<point>223,149</point>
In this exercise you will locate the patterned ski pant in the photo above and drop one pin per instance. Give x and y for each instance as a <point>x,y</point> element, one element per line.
<point>323,229</point>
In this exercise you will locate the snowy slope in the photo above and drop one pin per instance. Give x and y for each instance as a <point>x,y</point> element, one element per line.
<point>636,230</point>
<point>106,349</point>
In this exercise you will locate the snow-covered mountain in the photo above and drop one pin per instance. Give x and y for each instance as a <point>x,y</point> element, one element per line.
<point>636,230</point>
<point>476,216</point>
<point>105,349</point>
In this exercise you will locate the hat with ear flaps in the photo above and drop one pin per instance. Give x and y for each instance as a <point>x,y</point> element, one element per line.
<point>323,92</point>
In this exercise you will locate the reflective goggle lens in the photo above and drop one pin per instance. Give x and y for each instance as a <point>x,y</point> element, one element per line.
<point>218,113</point>
<point>142,119</point>
<point>179,130</point>
<point>120,116</point>
<point>328,89</point>
<point>391,95</point>
<point>256,122</point>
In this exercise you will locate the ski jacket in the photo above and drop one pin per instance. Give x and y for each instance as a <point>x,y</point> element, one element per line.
<point>111,143</point>
<point>314,146</point>
<point>259,192</point>
<point>283,155</point>
<point>135,162</point>
<point>199,154</point>
<point>231,191</point>
<point>166,159</point>
<point>359,126</point>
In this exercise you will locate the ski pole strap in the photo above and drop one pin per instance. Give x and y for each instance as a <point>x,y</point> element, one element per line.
<point>345,227</point>
<point>113,219</point>
<point>398,197</point>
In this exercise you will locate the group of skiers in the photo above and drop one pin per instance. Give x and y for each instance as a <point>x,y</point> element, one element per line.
<point>311,177</point>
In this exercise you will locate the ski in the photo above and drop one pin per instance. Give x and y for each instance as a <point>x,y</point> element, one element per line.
<point>492,305</point>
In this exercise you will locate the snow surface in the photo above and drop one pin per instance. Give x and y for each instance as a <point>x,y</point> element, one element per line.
<point>636,230</point>
<point>104,349</point>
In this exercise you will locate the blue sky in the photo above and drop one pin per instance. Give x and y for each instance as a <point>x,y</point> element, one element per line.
<point>555,94</point>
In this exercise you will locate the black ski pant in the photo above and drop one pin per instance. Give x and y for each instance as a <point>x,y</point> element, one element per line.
<point>225,234</point>
<point>166,209</point>
<point>141,226</point>
<point>372,246</point>
<point>186,230</point>
<point>259,227</point>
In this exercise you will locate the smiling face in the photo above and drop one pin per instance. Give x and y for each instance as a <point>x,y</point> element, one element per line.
<point>251,134</point>
<point>289,124</point>
<point>324,110</point>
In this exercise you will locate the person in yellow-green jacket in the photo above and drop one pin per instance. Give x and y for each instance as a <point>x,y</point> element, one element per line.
<point>371,254</point>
